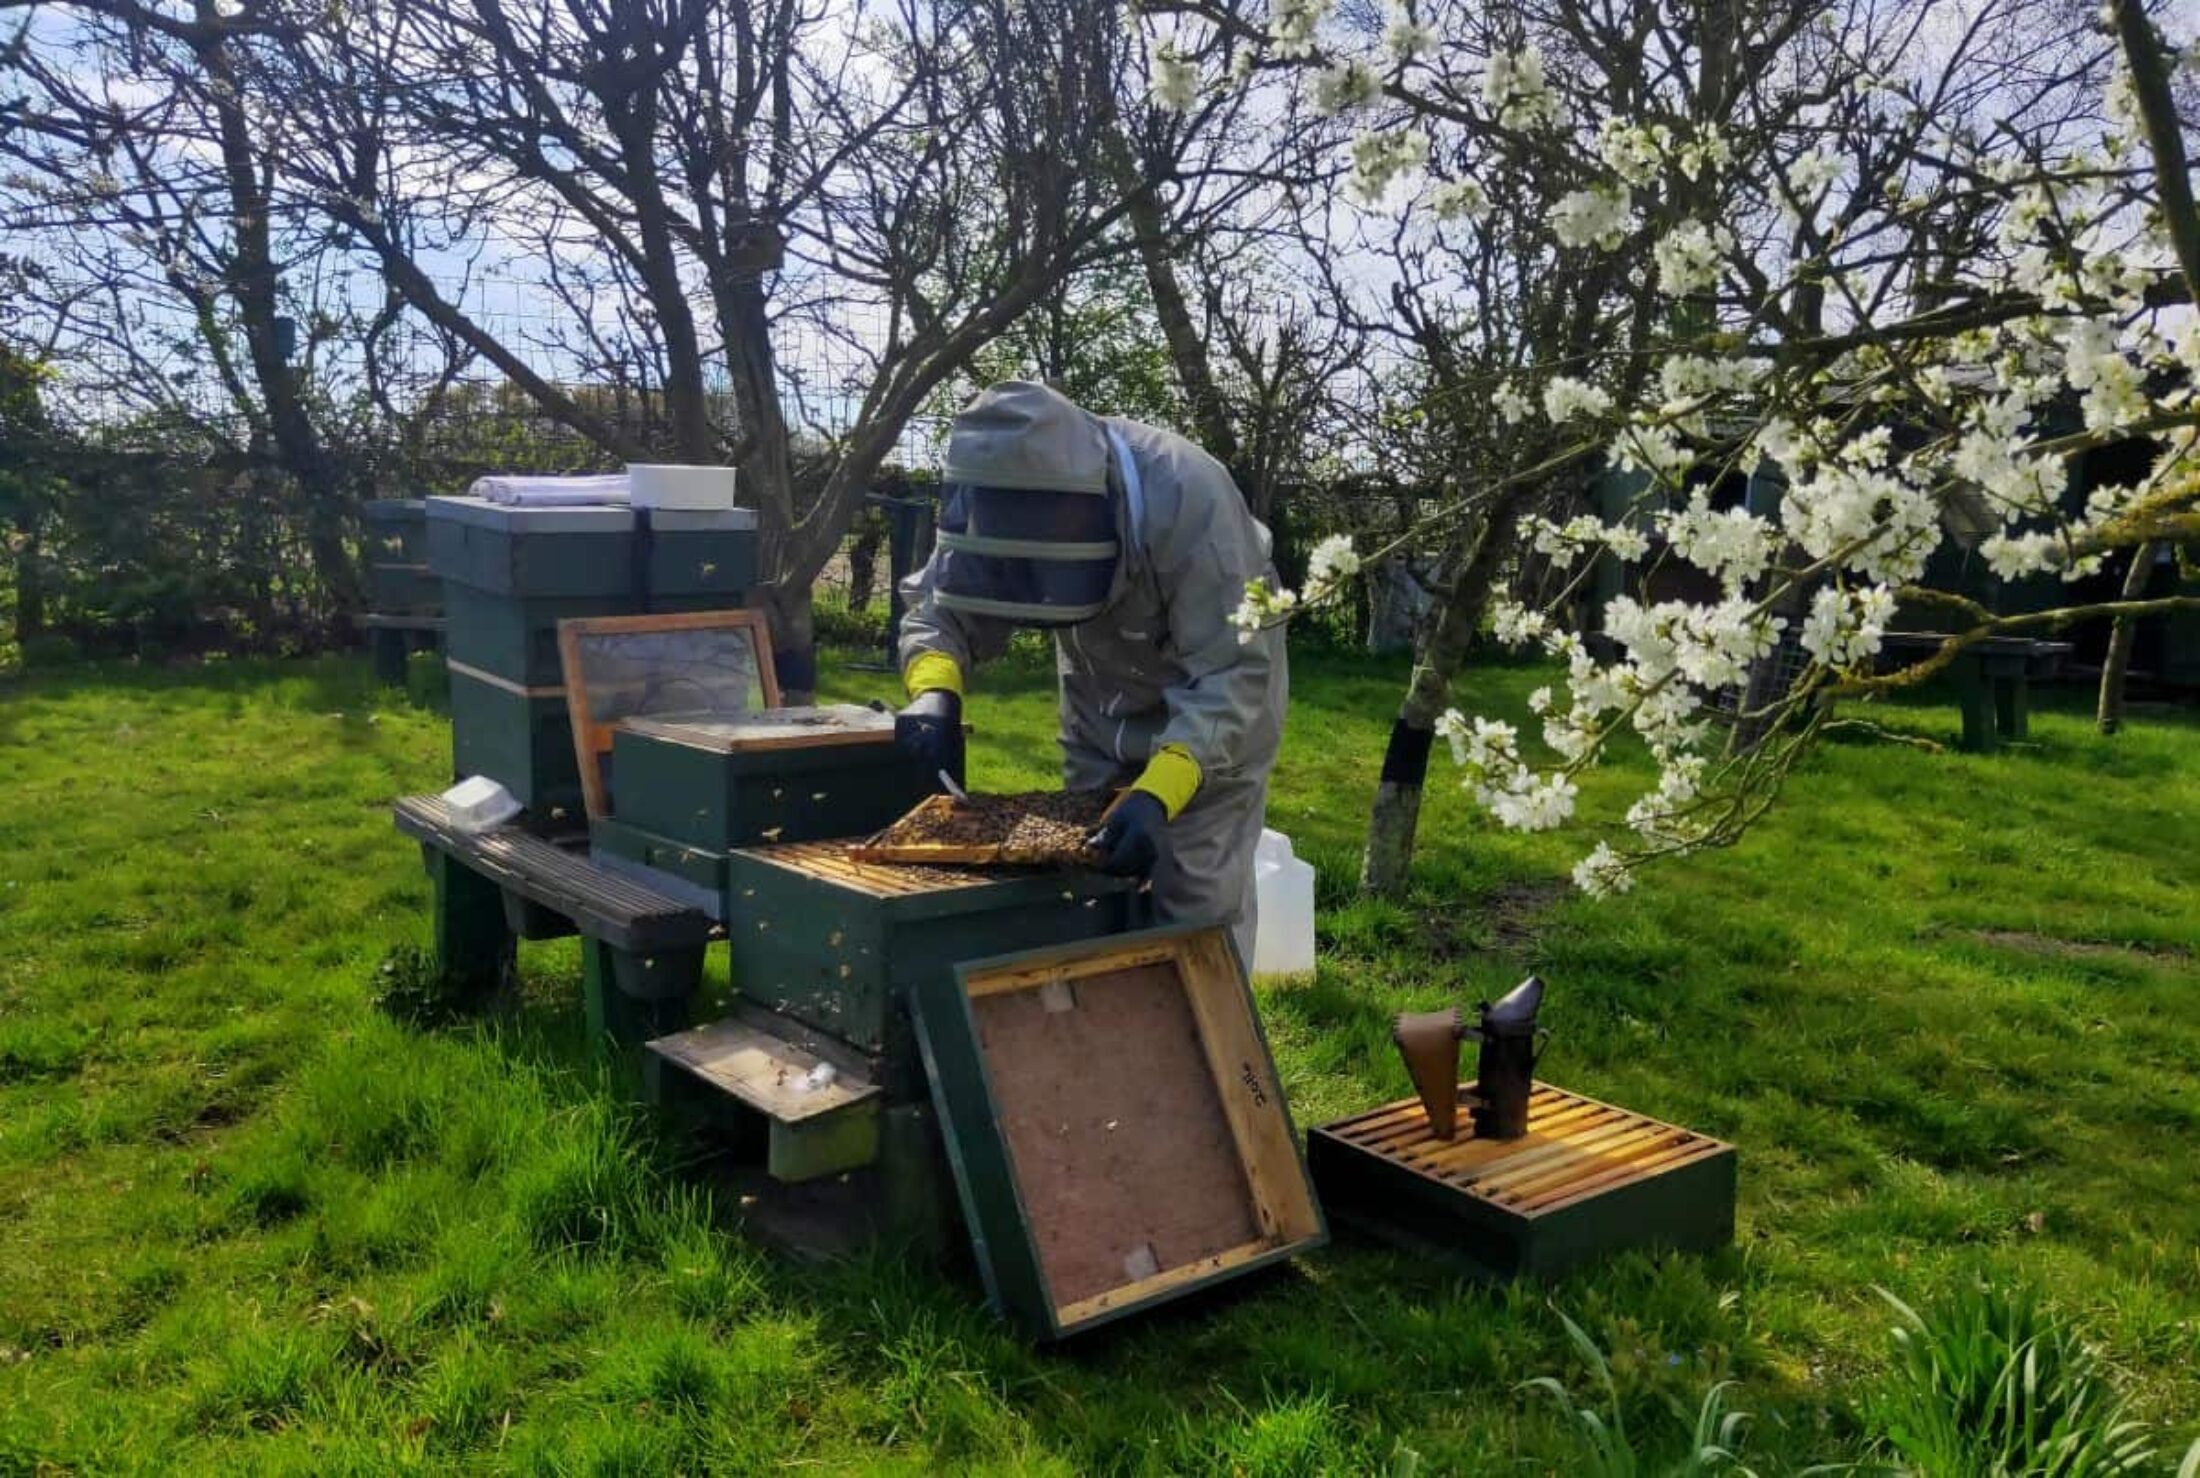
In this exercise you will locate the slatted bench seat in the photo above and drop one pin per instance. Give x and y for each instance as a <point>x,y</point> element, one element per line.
<point>641,951</point>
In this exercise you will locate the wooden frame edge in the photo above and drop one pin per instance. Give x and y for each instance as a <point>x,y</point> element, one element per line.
<point>591,741</point>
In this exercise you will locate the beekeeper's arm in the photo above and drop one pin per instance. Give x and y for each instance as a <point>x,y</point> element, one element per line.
<point>938,647</point>
<point>1202,559</point>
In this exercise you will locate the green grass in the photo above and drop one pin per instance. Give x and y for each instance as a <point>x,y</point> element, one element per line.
<point>1944,1004</point>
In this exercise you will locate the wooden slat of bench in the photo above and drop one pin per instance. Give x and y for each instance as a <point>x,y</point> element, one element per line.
<point>622,912</point>
<point>2029,647</point>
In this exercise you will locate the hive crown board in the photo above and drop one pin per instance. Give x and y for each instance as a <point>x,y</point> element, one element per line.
<point>1115,1124</point>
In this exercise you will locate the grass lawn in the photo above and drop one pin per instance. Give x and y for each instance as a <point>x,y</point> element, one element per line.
<point>1944,1004</point>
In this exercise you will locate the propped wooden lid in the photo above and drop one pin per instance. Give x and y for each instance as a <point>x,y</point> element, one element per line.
<point>1117,1130</point>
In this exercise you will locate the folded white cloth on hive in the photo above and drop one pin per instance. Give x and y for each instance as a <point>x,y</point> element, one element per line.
<point>551,492</point>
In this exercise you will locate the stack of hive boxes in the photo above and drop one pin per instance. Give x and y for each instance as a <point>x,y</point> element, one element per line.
<point>509,575</point>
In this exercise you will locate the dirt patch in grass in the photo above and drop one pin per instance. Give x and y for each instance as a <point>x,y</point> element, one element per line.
<point>1516,911</point>
<point>2075,949</point>
<point>1505,920</point>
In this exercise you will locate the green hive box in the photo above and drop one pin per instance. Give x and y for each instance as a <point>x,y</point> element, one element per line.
<point>516,637</point>
<point>838,946</point>
<point>603,551</point>
<point>404,589</point>
<point>523,741</point>
<point>695,875</point>
<point>396,530</point>
<point>676,781</point>
<point>509,575</point>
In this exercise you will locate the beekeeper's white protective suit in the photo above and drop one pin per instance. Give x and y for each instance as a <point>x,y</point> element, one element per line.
<point>1158,691</point>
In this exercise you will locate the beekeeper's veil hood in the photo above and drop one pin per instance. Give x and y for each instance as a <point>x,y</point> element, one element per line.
<point>1027,528</point>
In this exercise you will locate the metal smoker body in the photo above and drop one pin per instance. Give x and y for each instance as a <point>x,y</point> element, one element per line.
<point>1504,1072</point>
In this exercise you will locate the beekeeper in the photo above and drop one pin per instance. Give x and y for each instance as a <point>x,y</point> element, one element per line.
<point>1133,547</point>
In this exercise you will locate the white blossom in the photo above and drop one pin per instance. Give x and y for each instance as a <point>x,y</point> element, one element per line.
<point>1602,873</point>
<point>1514,625</point>
<point>1564,399</point>
<point>1459,199</point>
<point>1260,608</point>
<point>1708,147</point>
<point>1175,80</point>
<point>1844,626</point>
<point>2115,391</point>
<point>1813,173</point>
<point>1881,525</point>
<point>1688,258</point>
<point>1292,23</point>
<point>1333,562</point>
<point>1345,87</point>
<point>1379,158</point>
<point>1514,90</point>
<point>1732,544</point>
<point>2013,556</point>
<point>1520,800</point>
<point>1405,39</point>
<point>1596,217</point>
<point>1688,377</point>
<point>1653,449</point>
<point>1511,404</point>
<point>1632,151</point>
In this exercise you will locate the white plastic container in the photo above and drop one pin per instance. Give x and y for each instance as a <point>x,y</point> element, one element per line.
<point>671,485</point>
<point>1283,935</point>
<point>480,804</point>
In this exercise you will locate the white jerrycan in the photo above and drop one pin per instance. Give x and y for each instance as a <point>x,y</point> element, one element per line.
<point>1283,935</point>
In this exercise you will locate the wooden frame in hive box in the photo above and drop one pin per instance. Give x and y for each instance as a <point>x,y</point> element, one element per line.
<point>840,945</point>
<point>1587,1180</point>
<point>1116,1128</point>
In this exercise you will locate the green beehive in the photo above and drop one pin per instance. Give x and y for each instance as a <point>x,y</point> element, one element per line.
<point>520,738</point>
<point>695,875</point>
<point>509,575</point>
<point>707,784</point>
<point>404,589</point>
<point>516,637</point>
<point>396,530</point>
<point>838,945</point>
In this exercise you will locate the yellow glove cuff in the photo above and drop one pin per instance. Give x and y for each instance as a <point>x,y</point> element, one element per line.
<point>1172,777</point>
<point>930,672</point>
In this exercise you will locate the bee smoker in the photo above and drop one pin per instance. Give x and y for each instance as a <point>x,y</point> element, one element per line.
<point>1504,1073</point>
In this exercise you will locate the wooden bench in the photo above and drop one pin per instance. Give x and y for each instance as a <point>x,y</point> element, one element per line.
<point>641,951</point>
<point>393,639</point>
<point>1993,679</point>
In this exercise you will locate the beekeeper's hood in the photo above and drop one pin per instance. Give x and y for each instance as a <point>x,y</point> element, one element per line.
<point>1027,526</point>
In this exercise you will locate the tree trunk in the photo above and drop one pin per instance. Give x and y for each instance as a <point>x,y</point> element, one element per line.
<point>30,592</point>
<point>794,640</point>
<point>863,561</point>
<point>2117,663</point>
<point>1394,820</point>
<point>255,284</point>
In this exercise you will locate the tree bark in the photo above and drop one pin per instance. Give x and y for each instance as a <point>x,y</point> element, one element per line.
<point>788,607</point>
<point>30,591</point>
<point>255,283</point>
<point>1394,820</point>
<point>2122,635</point>
<point>863,560</point>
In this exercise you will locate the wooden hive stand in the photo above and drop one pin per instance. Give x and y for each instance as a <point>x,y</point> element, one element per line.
<point>641,951</point>
<point>1587,1179</point>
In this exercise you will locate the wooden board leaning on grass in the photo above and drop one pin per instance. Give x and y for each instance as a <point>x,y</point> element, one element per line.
<point>1039,828</point>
